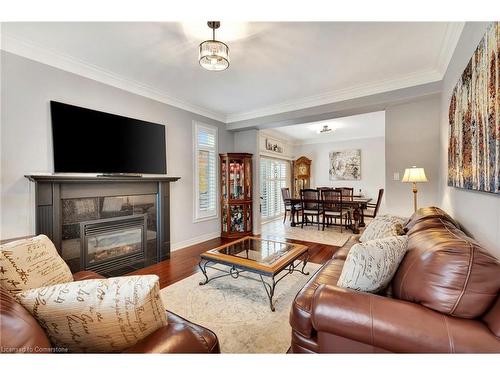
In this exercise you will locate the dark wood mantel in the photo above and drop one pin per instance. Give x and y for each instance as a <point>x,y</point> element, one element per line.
<point>89,177</point>
<point>52,189</point>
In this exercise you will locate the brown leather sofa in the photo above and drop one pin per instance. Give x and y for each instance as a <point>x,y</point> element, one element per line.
<point>444,298</point>
<point>20,332</point>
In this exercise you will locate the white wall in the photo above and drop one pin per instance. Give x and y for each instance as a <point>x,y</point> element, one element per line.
<point>26,145</point>
<point>372,163</point>
<point>412,138</point>
<point>477,212</point>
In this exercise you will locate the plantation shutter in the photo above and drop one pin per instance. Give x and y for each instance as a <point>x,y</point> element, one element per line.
<point>273,174</point>
<point>205,171</point>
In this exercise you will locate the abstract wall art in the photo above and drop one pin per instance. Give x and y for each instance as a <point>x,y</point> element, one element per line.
<point>345,165</point>
<point>474,125</point>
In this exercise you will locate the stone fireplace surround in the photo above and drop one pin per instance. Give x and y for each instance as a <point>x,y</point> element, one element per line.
<point>66,203</point>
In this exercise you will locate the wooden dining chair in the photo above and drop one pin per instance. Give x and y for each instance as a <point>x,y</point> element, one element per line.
<point>285,194</point>
<point>310,205</point>
<point>347,193</point>
<point>372,208</point>
<point>333,208</point>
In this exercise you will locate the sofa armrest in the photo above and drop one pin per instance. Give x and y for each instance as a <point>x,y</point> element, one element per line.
<point>179,336</point>
<point>395,325</point>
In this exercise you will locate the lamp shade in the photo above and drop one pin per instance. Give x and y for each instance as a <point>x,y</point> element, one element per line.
<point>414,174</point>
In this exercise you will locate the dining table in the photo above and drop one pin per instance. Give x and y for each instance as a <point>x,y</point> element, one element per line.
<point>358,204</point>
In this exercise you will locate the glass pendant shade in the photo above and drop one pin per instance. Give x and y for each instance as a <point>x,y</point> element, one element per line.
<point>214,55</point>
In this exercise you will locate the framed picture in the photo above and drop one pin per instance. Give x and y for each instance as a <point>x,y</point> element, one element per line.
<point>345,165</point>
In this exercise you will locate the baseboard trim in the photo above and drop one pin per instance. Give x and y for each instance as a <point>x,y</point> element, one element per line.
<point>194,241</point>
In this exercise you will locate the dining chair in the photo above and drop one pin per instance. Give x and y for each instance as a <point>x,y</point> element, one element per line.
<point>285,194</point>
<point>347,193</point>
<point>310,205</point>
<point>333,208</point>
<point>372,208</point>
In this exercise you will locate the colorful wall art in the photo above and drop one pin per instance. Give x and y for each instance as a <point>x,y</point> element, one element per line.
<point>345,165</point>
<point>474,131</point>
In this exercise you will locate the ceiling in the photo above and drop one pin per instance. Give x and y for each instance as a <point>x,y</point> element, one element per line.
<point>367,125</point>
<point>274,66</point>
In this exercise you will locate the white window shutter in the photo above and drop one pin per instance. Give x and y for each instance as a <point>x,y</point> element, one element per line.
<point>205,171</point>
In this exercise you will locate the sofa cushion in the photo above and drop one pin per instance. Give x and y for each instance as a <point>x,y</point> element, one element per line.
<point>383,226</point>
<point>31,263</point>
<point>447,271</point>
<point>370,265</point>
<point>99,315</point>
<point>300,314</point>
<point>426,213</point>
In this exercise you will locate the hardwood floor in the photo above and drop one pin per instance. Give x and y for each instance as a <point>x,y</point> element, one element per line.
<point>184,262</point>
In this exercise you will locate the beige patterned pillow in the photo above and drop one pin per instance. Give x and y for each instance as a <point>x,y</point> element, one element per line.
<point>370,266</point>
<point>103,315</point>
<point>383,226</point>
<point>31,263</point>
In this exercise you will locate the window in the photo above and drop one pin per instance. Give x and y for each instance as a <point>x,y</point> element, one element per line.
<point>205,171</point>
<point>274,175</point>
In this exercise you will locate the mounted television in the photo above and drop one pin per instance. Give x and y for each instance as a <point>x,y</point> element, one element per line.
<point>88,141</point>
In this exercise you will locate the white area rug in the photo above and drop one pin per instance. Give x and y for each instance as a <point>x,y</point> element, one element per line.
<point>330,236</point>
<point>237,310</point>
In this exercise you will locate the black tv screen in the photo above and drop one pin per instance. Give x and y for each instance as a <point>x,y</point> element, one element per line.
<point>88,141</point>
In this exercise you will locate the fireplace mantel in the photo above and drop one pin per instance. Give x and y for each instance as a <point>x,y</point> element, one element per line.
<point>54,191</point>
<point>91,177</point>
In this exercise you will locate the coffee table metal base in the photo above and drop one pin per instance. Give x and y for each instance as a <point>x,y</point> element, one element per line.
<point>235,271</point>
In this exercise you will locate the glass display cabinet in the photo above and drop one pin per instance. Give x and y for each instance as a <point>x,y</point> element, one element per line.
<point>236,194</point>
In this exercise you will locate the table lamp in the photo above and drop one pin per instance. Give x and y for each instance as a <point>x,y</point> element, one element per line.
<point>414,175</point>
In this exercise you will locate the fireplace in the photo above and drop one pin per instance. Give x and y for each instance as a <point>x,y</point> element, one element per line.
<point>110,244</point>
<point>109,225</point>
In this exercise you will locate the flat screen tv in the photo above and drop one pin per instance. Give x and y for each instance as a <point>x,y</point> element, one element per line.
<point>89,141</point>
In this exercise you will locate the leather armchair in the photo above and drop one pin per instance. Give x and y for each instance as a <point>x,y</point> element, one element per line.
<point>21,333</point>
<point>444,298</point>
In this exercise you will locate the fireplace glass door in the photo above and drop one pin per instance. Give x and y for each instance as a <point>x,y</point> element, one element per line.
<point>105,246</point>
<point>114,242</point>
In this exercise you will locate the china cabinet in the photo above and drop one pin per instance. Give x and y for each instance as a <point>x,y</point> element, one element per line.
<point>236,194</point>
<point>301,175</point>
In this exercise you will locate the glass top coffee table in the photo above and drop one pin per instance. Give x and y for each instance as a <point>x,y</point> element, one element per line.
<point>266,258</point>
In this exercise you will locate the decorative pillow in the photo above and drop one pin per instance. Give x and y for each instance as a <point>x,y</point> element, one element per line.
<point>103,315</point>
<point>383,226</point>
<point>31,263</point>
<point>370,266</point>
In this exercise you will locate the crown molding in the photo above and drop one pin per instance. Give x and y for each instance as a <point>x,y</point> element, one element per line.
<point>43,55</point>
<point>413,79</point>
<point>448,46</point>
<point>64,62</point>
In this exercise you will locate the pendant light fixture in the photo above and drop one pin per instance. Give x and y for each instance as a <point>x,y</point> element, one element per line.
<point>214,55</point>
<point>326,129</point>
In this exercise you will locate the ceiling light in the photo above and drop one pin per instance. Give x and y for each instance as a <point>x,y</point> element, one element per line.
<point>325,129</point>
<point>214,55</point>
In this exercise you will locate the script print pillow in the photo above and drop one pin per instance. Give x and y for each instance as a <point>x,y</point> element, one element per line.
<point>370,266</point>
<point>383,226</point>
<point>31,263</point>
<point>103,315</point>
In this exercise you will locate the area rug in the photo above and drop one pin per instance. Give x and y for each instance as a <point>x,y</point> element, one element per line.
<point>237,310</point>
<point>330,236</point>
